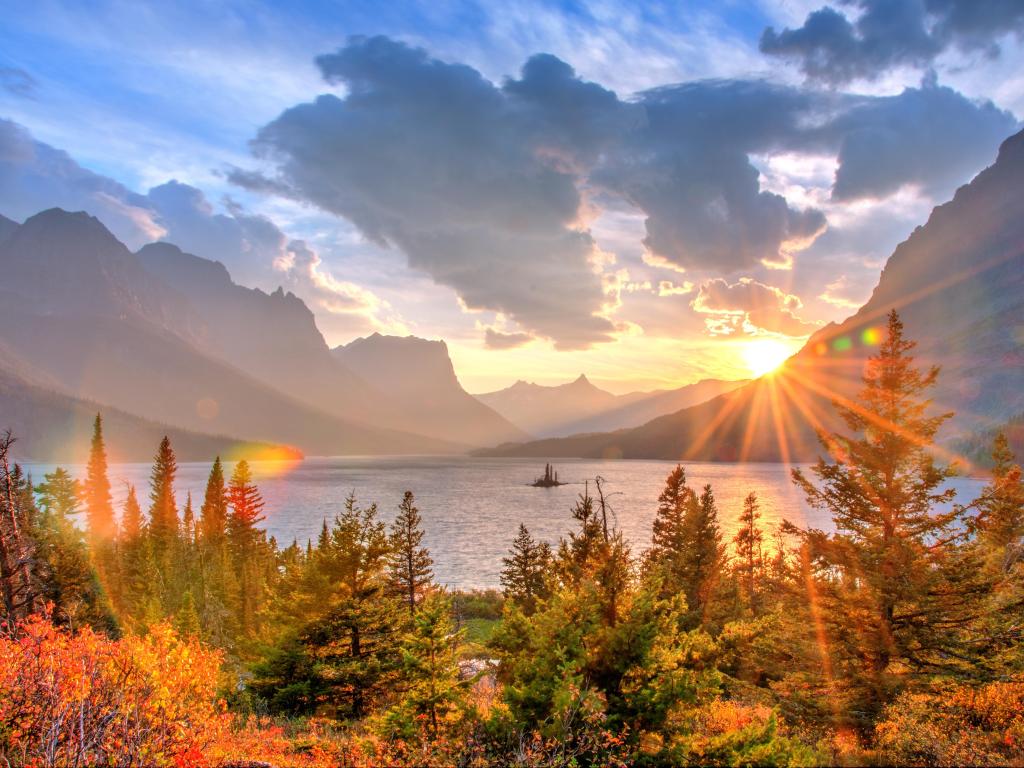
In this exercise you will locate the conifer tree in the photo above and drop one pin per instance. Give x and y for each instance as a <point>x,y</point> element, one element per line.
<point>669,528</point>
<point>749,555</point>
<point>213,515</point>
<point>882,586</point>
<point>409,563</point>
<point>62,567</point>
<point>17,587</point>
<point>99,508</point>
<point>189,530</point>
<point>248,546</point>
<point>163,510</point>
<point>430,680</point>
<point>1000,519</point>
<point>525,573</point>
<point>703,554</point>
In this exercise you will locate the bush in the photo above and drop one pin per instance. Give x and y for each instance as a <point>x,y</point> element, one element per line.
<point>84,699</point>
<point>478,604</point>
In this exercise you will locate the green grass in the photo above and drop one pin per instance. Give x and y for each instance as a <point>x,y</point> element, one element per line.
<point>480,630</point>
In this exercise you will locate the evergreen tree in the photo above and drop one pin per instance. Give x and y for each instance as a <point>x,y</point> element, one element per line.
<point>99,510</point>
<point>882,588</point>
<point>749,555</point>
<point>355,638</point>
<point>409,563</point>
<point>62,567</point>
<point>703,555</point>
<point>213,515</point>
<point>668,539</point>
<point>429,673</point>
<point>525,573</point>
<point>1000,519</point>
<point>247,544</point>
<point>17,518</point>
<point>189,529</point>
<point>163,510</point>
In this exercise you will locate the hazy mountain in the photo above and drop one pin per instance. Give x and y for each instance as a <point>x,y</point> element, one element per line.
<point>52,427</point>
<point>417,376</point>
<point>958,283</point>
<point>7,227</point>
<point>579,406</point>
<point>82,309</point>
<point>546,410</point>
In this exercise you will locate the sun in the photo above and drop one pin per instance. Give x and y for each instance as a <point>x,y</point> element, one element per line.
<point>764,355</point>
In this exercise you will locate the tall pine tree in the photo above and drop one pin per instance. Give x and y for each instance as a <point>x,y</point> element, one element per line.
<point>409,563</point>
<point>887,605</point>
<point>524,577</point>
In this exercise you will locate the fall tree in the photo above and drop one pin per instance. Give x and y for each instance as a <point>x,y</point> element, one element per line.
<point>163,509</point>
<point>247,544</point>
<point>409,562</point>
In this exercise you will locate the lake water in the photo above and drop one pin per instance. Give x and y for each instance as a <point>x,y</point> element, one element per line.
<point>472,507</point>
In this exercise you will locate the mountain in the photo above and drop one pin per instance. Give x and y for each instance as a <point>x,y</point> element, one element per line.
<point>958,284</point>
<point>81,309</point>
<point>417,376</point>
<point>52,427</point>
<point>579,406</point>
<point>547,410</point>
<point>7,227</point>
<point>405,384</point>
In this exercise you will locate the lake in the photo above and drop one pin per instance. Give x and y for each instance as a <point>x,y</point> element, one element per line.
<point>472,507</point>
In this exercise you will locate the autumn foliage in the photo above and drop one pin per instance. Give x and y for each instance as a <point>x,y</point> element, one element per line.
<point>80,698</point>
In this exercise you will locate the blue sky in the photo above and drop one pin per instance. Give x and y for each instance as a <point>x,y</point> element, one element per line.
<point>691,185</point>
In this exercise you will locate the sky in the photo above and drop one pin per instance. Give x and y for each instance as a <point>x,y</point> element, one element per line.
<point>643,192</point>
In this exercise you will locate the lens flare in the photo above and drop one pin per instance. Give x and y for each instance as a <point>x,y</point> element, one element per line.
<point>764,355</point>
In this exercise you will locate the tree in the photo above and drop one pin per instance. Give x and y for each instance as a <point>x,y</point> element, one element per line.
<point>749,556</point>
<point>409,563</point>
<point>247,543</point>
<point>213,515</point>
<point>525,573</point>
<point>881,585</point>
<point>668,537</point>
<point>430,680</point>
<point>16,546</point>
<point>354,639</point>
<point>62,566</point>
<point>163,510</point>
<point>99,508</point>
<point>1000,519</point>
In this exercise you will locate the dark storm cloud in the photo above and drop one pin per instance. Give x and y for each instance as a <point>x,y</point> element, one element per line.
<point>832,48</point>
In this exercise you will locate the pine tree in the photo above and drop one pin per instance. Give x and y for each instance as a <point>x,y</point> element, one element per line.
<point>17,588</point>
<point>213,515</point>
<point>1000,518</point>
<point>247,544</point>
<point>96,494</point>
<point>189,530</point>
<point>525,573</point>
<point>703,555</point>
<point>749,556</point>
<point>430,680</point>
<point>881,582</point>
<point>669,528</point>
<point>131,518</point>
<point>163,510</point>
<point>409,563</point>
<point>62,567</point>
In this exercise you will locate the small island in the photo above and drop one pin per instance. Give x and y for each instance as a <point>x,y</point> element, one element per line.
<point>549,480</point>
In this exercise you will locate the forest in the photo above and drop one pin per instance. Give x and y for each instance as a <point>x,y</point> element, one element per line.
<point>176,632</point>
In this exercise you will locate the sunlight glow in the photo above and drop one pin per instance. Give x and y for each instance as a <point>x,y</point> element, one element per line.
<point>764,355</point>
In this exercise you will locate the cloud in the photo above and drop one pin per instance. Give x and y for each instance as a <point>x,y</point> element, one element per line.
<point>350,307</point>
<point>463,190</point>
<point>17,81</point>
<point>931,136</point>
<point>246,243</point>
<point>831,48</point>
<point>748,304</point>
<point>35,176</point>
<point>499,340</point>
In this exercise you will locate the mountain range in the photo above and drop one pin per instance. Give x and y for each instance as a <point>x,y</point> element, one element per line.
<point>168,339</point>
<point>958,284</point>
<point>579,406</point>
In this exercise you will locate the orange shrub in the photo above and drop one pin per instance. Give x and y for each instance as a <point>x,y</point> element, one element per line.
<point>83,699</point>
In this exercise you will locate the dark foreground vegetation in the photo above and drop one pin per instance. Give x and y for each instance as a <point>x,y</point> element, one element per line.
<point>184,636</point>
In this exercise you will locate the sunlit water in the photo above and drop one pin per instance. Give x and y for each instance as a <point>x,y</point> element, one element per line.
<point>472,507</point>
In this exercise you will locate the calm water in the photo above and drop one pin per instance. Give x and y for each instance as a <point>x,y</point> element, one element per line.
<point>472,507</point>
